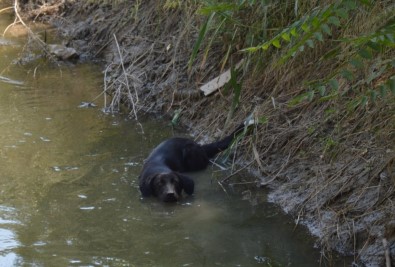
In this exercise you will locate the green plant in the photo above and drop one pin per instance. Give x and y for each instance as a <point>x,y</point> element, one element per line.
<point>350,55</point>
<point>236,86</point>
<point>172,4</point>
<point>305,31</point>
<point>233,23</point>
<point>248,23</point>
<point>367,83</point>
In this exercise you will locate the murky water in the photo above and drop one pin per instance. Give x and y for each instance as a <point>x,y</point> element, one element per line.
<point>69,194</point>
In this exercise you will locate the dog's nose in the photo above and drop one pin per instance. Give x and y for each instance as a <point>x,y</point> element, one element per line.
<point>170,197</point>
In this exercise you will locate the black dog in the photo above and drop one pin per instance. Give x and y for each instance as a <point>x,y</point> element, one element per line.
<point>161,175</point>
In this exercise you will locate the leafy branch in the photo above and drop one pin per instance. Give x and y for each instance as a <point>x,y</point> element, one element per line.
<point>310,28</point>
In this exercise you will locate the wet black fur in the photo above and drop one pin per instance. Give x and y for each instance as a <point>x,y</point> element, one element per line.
<point>161,174</point>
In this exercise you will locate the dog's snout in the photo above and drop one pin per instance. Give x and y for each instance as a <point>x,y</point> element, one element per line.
<point>170,197</point>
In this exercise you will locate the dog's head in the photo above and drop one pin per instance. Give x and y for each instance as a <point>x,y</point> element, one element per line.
<point>168,186</point>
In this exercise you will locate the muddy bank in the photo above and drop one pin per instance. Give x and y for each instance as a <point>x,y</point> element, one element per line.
<point>335,174</point>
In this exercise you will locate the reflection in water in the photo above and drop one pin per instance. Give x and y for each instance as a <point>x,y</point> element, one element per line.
<point>8,240</point>
<point>69,194</point>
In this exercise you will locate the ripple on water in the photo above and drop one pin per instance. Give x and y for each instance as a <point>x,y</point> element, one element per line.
<point>10,81</point>
<point>64,168</point>
<point>45,139</point>
<point>8,259</point>
<point>87,208</point>
<point>7,215</point>
<point>8,240</point>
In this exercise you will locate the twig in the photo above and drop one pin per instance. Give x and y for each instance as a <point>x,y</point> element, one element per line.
<point>387,253</point>
<point>6,29</point>
<point>38,40</point>
<point>9,26</point>
<point>277,174</point>
<point>6,8</point>
<point>127,80</point>
<point>236,172</point>
<point>243,183</point>
<point>35,71</point>
<point>41,43</point>
<point>223,168</point>
<point>222,186</point>
<point>105,86</point>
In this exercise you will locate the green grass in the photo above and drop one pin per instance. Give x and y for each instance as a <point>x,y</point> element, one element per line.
<point>347,47</point>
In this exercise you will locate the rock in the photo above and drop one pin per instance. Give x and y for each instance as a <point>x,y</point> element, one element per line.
<point>62,52</point>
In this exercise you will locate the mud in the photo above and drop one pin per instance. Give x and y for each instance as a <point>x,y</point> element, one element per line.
<point>339,183</point>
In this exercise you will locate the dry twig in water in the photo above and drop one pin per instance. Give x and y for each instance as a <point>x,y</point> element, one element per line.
<point>127,81</point>
<point>387,253</point>
<point>31,33</point>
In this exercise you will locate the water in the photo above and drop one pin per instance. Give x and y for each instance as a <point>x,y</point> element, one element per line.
<point>69,194</point>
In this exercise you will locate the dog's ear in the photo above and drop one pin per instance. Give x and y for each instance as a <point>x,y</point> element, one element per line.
<point>146,187</point>
<point>186,183</point>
